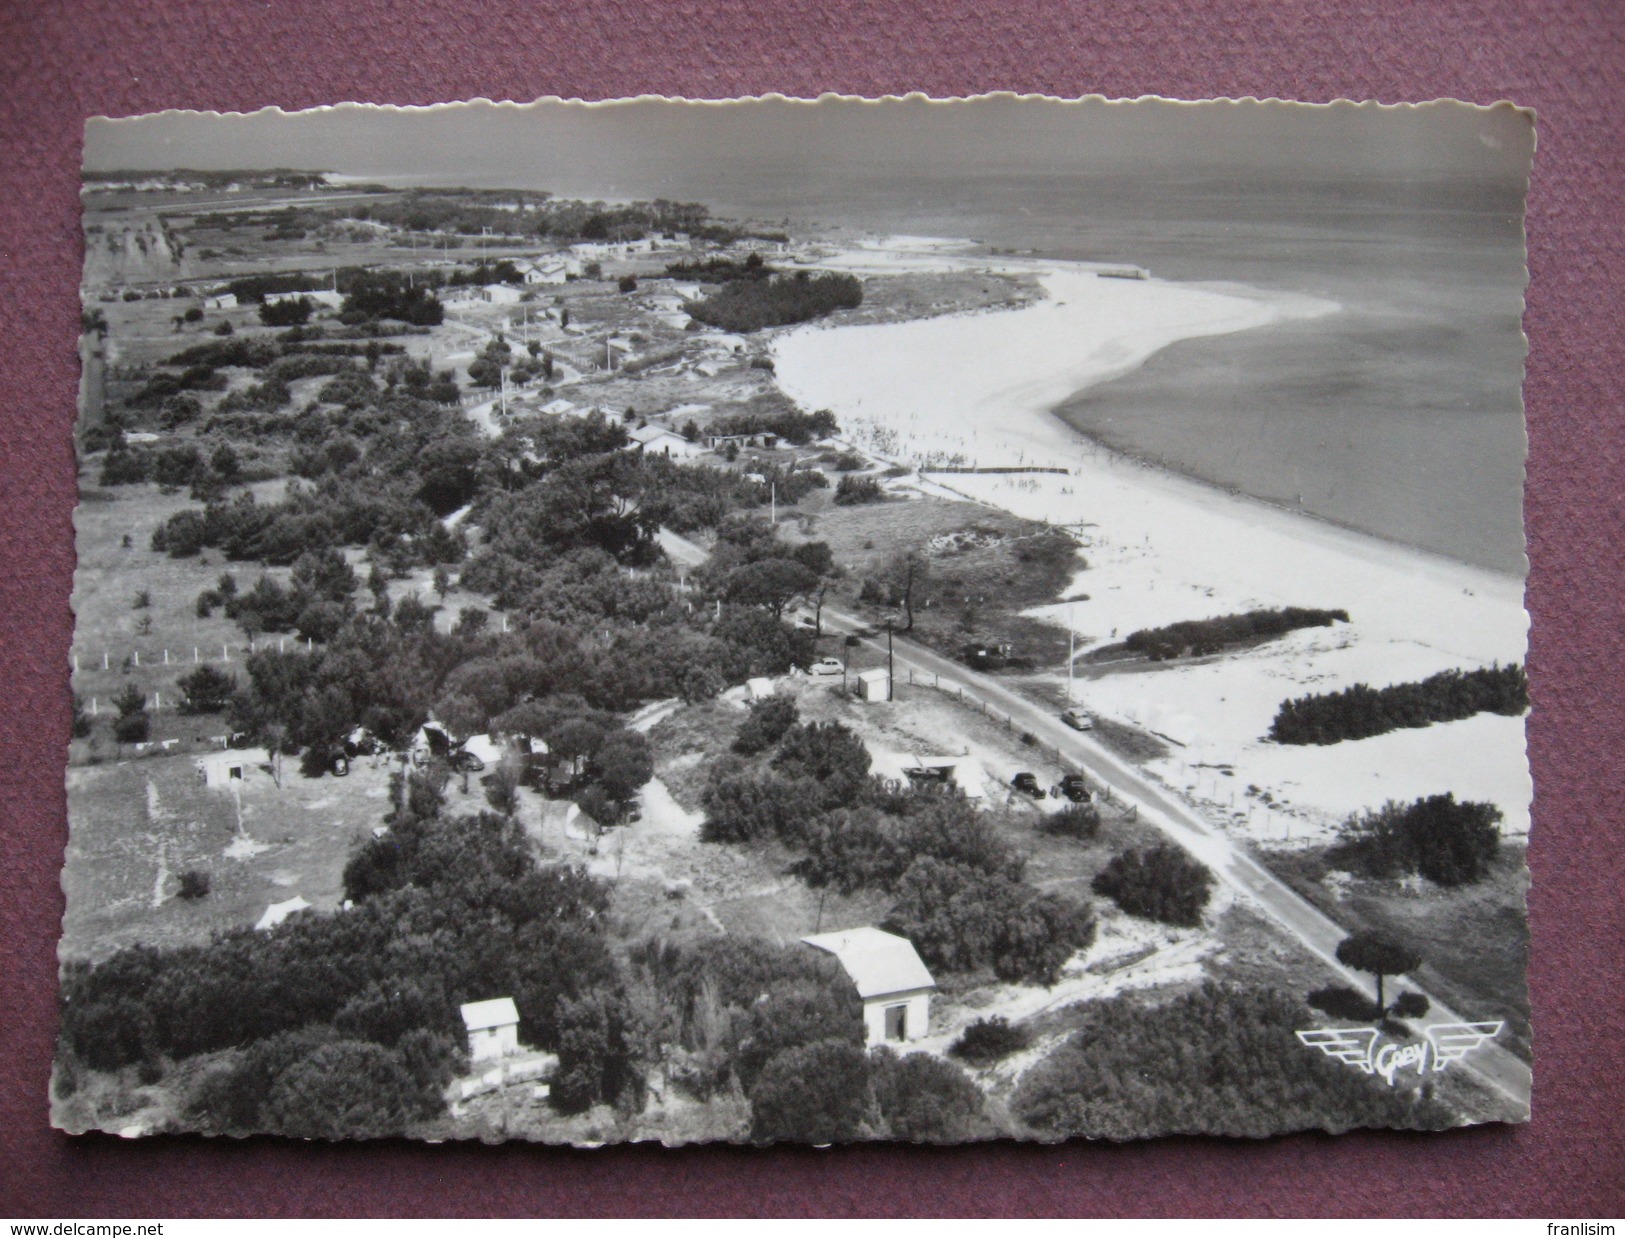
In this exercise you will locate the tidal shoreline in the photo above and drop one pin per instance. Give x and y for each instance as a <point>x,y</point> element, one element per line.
<point>983,389</point>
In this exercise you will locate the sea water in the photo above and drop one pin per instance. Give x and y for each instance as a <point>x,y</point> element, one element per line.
<point>1400,416</point>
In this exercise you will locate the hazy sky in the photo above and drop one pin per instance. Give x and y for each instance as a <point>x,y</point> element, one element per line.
<point>646,148</point>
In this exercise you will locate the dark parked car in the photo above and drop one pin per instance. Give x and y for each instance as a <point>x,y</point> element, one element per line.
<point>466,763</point>
<point>1027,784</point>
<point>1075,787</point>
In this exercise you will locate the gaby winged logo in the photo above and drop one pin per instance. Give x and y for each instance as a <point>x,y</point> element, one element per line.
<point>1364,1048</point>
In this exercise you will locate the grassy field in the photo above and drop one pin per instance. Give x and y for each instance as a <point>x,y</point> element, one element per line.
<point>135,825</point>
<point>976,586</point>
<point>108,626</point>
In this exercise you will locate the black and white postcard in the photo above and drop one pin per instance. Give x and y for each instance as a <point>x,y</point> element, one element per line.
<point>799,621</point>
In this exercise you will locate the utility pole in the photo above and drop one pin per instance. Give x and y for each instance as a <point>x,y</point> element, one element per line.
<point>889,673</point>
<point>773,503</point>
<point>1071,651</point>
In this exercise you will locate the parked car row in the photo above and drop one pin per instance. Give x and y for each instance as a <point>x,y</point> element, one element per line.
<point>1073,786</point>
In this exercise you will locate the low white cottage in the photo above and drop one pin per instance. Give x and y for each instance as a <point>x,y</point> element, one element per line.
<point>225,770</point>
<point>892,982</point>
<point>493,1028</point>
<point>501,294</point>
<point>874,685</point>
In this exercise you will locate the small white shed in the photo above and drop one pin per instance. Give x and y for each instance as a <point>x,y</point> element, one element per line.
<point>225,770</point>
<point>892,982</point>
<point>874,685</point>
<point>493,1028</point>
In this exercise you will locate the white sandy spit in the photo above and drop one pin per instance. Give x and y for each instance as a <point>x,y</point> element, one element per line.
<point>977,389</point>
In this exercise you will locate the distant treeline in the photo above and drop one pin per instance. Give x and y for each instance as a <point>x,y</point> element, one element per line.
<point>1196,637</point>
<point>1363,711</point>
<point>790,424</point>
<point>261,178</point>
<point>752,304</point>
<point>467,212</point>
<point>720,270</point>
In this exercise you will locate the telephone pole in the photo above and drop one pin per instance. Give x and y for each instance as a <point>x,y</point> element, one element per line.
<point>889,664</point>
<point>1071,651</point>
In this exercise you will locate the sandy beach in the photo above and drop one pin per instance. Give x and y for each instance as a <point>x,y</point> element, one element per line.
<point>978,389</point>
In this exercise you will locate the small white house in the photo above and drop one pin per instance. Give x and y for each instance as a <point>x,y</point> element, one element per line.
<point>501,294</point>
<point>659,441</point>
<point>758,688</point>
<point>220,301</point>
<point>892,982</point>
<point>224,770</point>
<point>547,272</point>
<point>873,685</point>
<point>493,1028</point>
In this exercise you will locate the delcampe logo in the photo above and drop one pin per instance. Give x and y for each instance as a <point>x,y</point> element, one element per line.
<point>1363,1047</point>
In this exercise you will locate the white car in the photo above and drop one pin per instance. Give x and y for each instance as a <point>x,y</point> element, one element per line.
<point>1078,720</point>
<point>826,666</point>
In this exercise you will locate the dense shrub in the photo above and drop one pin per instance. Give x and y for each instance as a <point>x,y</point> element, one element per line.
<point>790,424</point>
<point>1448,842</point>
<point>1362,711</point>
<point>766,725</point>
<point>816,1093</point>
<point>990,1040</point>
<point>288,312</point>
<point>866,848</point>
<point>852,490</point>
<point>206,690</point>
<point>924,1099</point>
<point>1218,1061</point>
<point>752,304</point>
<point>1341,1002</point>
<point>963,919</point>
<point>827,754</point>
<point>1197,637</point>
<point>1080,821</point>
<point>1160,883</point>
<point>746,807</point>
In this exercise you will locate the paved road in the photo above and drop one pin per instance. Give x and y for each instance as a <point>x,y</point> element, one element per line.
<point>1497,1068</point>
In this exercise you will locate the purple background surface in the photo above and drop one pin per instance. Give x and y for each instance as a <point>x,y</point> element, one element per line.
<point>65,61</point>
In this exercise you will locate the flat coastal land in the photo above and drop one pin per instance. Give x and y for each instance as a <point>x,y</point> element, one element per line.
<point>979,390</point>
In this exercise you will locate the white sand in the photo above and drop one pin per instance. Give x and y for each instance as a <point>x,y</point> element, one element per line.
<point>978,388</point>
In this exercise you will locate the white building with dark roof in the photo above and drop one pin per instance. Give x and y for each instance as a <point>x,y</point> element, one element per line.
<point>892,982</point>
